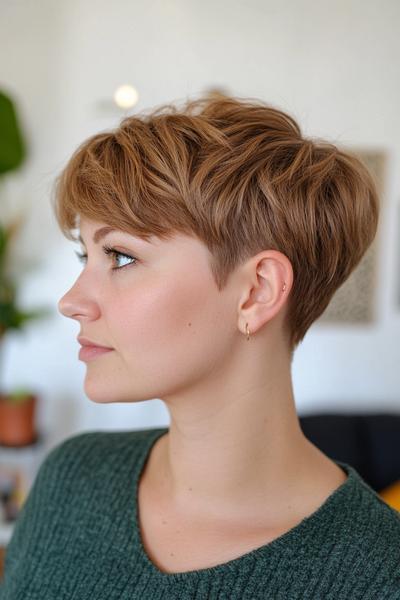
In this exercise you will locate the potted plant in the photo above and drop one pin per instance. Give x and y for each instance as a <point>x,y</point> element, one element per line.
<point>18,407</point>
<point>17,418</point>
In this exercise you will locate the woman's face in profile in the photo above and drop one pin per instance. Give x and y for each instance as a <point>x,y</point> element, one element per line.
<point>155,303</point>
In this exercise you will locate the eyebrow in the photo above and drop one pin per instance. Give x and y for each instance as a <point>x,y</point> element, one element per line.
<point>99,234</point>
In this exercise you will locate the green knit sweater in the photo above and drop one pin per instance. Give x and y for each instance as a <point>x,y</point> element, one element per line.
<point>77,538</point>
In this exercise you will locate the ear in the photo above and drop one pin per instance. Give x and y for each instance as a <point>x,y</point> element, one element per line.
<point>268,281</point>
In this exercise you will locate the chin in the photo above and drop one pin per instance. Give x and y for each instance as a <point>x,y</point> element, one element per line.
<point>98,392</point>
<point>101,393</point>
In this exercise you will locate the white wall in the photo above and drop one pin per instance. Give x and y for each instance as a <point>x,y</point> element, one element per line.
<point>333,65</point>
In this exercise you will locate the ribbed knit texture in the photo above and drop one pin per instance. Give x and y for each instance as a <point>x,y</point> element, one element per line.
<point>77,538</point>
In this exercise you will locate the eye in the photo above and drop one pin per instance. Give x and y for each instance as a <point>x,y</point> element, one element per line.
<point>115,254</point>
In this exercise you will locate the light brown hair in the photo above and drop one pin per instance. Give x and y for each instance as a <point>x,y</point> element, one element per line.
<point>239,175</point>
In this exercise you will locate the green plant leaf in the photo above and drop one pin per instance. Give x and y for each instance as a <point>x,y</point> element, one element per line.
<point>13,318</point>
<point>12,146</point>
<point>18,396</point>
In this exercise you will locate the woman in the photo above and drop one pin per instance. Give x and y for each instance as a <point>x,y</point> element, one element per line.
<point>212,237</point>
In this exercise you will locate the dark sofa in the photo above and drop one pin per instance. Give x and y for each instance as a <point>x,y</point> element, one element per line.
<point>368,442</point>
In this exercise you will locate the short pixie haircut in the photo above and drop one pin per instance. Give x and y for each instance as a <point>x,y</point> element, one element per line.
<point>239,175</point>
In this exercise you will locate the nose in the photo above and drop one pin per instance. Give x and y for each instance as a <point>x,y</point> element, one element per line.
<point>77,303</point>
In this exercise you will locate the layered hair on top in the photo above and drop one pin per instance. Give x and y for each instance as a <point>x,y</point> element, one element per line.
<point>239,175</point>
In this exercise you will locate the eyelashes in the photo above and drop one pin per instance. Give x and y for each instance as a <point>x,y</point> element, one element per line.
<point>113,253</point>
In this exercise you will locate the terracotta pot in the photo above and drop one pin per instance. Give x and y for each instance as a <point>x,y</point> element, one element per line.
<point>17,421</point>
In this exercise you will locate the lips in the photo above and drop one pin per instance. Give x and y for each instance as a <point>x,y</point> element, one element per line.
<point>90,349</point>
<point>91,352</point>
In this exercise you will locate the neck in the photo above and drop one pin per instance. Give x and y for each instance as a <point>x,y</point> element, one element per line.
<point>244,451</point>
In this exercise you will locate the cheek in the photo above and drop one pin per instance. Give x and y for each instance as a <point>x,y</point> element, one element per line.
<point>171,327</point>
<point>154,318</point>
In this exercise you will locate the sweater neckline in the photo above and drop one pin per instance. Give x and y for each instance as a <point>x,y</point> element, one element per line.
<point>291,537</point>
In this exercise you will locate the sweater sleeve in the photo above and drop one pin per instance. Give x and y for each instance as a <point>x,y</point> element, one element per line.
<point>37,518</point>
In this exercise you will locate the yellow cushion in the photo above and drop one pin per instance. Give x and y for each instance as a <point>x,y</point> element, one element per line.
<point>391,495</point>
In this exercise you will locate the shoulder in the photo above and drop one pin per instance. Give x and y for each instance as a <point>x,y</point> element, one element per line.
<point>375,514</point>
<point>82,459</point>
<point>76,483</point>
<point>379,532</point>
<point>370,537</point>
<point>72,471</point>
<point>87,450</point>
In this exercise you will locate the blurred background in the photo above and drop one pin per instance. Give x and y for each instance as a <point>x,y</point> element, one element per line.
<point>333,65</point>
